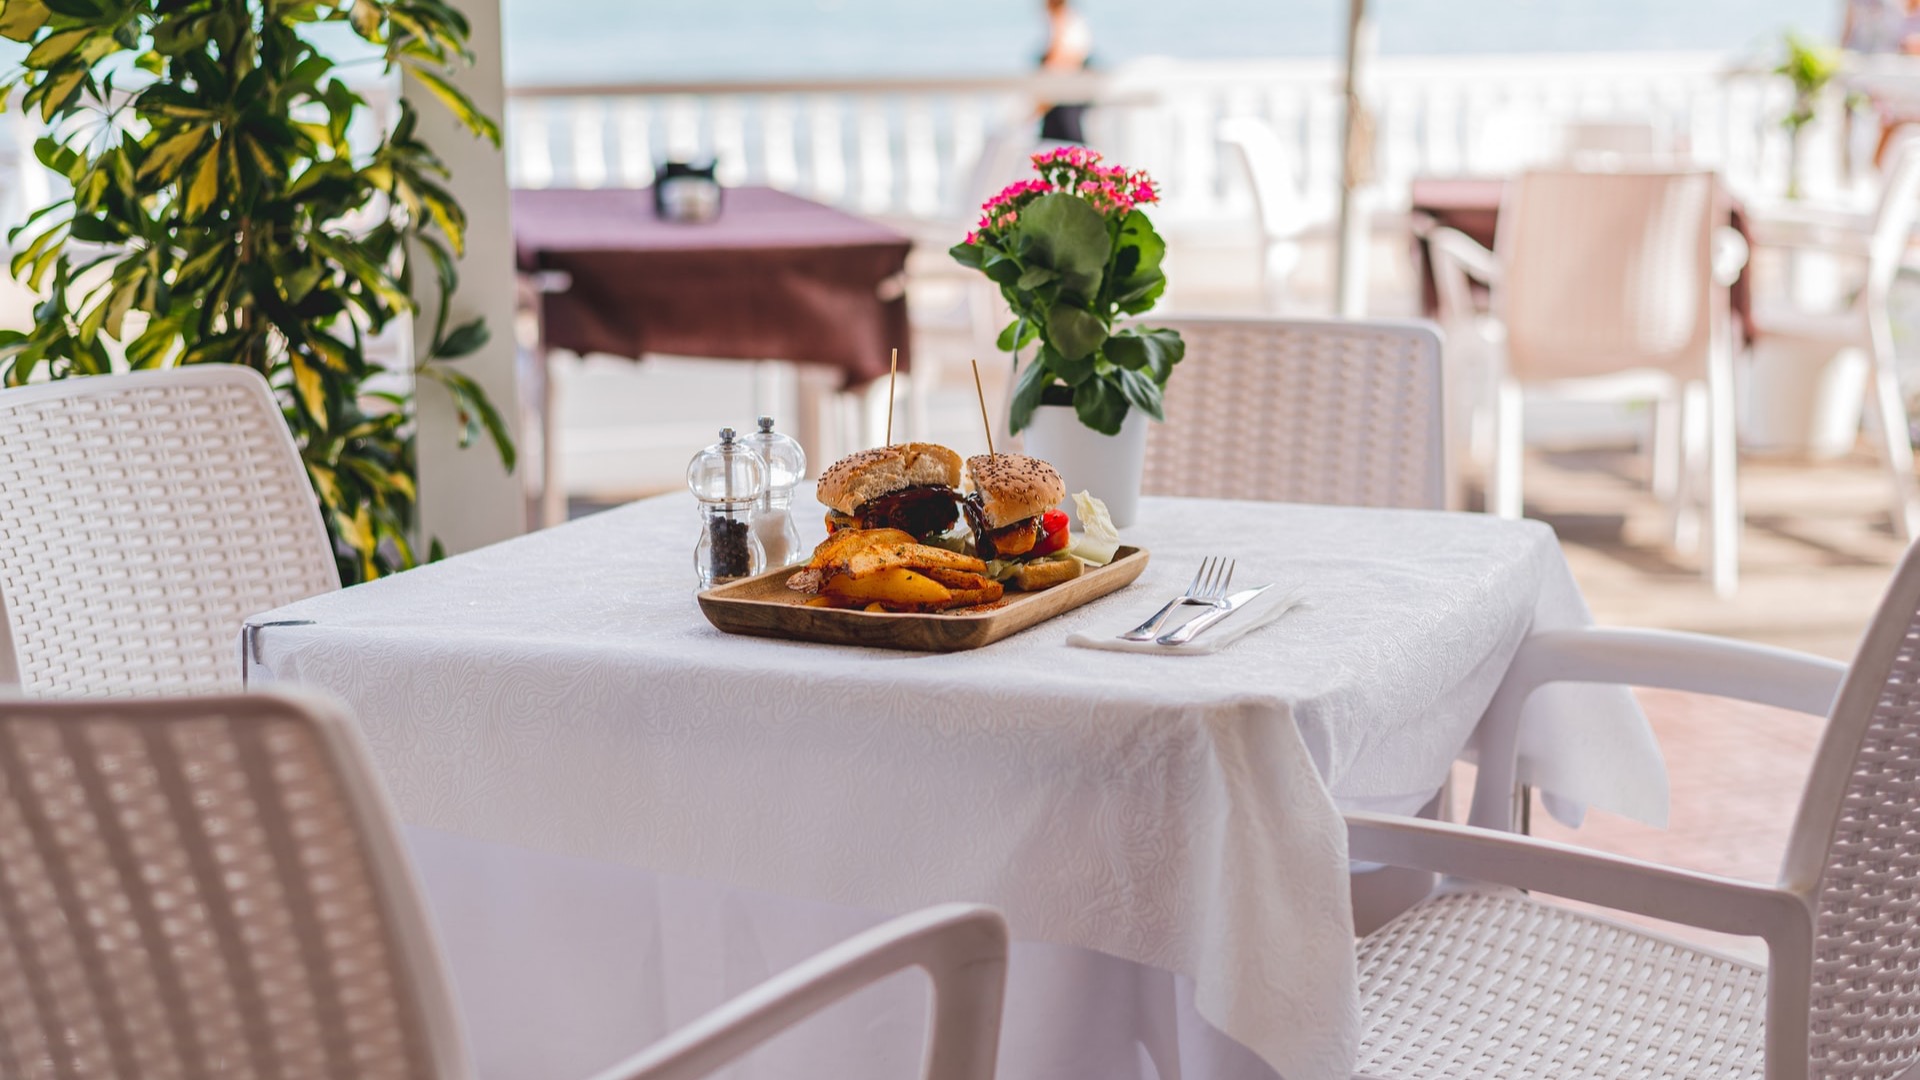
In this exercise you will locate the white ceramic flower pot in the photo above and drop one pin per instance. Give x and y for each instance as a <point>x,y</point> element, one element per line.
<point>1106,466</point>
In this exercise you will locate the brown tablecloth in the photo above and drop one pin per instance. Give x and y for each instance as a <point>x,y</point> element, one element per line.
<point>776,277</point>
<point>1472,205</point>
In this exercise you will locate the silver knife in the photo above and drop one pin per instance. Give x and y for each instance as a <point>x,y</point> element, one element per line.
<point>1197,626</point>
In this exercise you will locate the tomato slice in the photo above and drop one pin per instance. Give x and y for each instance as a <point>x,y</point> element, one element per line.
<point>1054,524</point>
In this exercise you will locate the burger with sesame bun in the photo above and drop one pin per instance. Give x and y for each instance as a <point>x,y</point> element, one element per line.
<point>913,487</point>
<point>1017,527</point>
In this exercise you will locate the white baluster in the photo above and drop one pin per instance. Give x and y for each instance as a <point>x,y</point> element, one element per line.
<point>777,123</point>
<point>875,157</point>
<point>923,157</point>
<point>730,139</point>
<point>965,167</point>
<point>683,127</point>
<point>588,126</point>
<point>633,140</point>
<point>530,141</point>
<point>829,158</point>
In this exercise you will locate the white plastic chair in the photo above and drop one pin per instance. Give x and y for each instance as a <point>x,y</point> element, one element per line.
<point>143,518</point>
<point>1611,286</point>
<point>1483,981</point>
<point>214,886</point>
<point>1284,219</point>
<point>1587,143</point>
<point>1296,410</point>
<point>1880,243</point>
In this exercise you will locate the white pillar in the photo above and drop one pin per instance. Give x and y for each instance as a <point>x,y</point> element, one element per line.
<point>1356,167</point>
<point>467,499</point>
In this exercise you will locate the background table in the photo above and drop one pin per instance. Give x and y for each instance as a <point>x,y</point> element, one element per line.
<point>775,277</point>
<point>1472,206</point>
<point>599,779</point>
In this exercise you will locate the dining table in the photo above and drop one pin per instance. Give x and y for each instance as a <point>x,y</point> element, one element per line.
<point>623,816</point>
<point>774,278</point>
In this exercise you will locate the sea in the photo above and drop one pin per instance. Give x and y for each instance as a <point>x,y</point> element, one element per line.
<point>594,41</point>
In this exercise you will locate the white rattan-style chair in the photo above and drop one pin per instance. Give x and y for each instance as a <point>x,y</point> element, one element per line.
<point>1285,219</point>
<point>1611,286</point>
<point>214,887</point>
<point>1294,410</point>
<point>1483,981</point>
<point>1878,244</point>
<point>143,517</point>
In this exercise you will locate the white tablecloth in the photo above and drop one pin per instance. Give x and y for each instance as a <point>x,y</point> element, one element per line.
<point>562,693</point>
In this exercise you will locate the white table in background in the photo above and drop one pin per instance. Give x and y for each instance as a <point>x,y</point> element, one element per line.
<point>623,816</point>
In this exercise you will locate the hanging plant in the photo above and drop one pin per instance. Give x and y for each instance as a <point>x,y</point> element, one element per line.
<point>220,214</point>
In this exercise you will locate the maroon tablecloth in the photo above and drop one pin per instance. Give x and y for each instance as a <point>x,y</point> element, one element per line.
<point>775,278</point>
<point>1472,205</point>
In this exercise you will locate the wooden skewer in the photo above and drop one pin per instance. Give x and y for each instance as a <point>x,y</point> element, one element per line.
<point>893,368</point>
<point>983,406</point>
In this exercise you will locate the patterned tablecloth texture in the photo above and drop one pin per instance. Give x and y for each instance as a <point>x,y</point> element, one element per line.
<point>562,692</point>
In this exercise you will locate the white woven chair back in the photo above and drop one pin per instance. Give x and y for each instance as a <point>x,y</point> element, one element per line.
<point>143,518</point>
<point>207,887</point>
<point>1269,172</point>
<point>1605,272</point>
<point>1858,836</point>
<point>1292,410</point>
<point>1893,218</point>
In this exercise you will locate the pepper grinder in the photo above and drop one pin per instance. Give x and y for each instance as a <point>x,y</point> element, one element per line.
<point>728,478</point>
<point>773,517</point>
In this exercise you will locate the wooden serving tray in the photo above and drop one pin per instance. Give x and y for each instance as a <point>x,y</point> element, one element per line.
<point>764,607</point>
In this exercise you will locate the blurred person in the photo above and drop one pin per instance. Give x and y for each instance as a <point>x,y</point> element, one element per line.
<point>1069,48</point>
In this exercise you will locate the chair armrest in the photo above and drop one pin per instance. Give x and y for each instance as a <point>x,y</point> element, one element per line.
<point>1836,232</point>
<point>1676,660</point>
<point>1730,255</point>
<point>1464,252</point>
<point>961,947</point>
<point>1665,659</point>
<point>1707,901</point>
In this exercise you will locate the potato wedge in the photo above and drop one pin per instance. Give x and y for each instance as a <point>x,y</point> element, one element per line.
<point>894,586</point>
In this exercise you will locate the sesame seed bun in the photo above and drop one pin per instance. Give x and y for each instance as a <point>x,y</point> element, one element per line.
<point>1014,487</point>
<point>862,477</point>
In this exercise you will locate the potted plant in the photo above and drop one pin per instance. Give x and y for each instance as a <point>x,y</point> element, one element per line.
<point>219,213</point>
<point>1809,68</point>
<point>1073,252</point>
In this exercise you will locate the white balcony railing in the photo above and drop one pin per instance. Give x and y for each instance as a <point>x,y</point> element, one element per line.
<point>926,148</point>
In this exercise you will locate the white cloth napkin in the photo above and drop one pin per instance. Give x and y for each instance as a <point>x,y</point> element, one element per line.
<point>1260,611</point>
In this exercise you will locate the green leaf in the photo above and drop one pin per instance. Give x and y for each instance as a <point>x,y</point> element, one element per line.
<point>56,94</point>
<point>21,19</point>
<point>1100,406</point>
<point>1026,395</point>
<point>1142,348</point>
<point>459,104</point>
<point>206,183</point>
<point>172,152</point>
<point>1063,233</point>
<point>465,339</point>
<point>1073,332</point>
<point>54,47</point>
<point>972,256</point>
<point>1018,335</point>
<point>1143,392</point>
<point>1071,372</point>
<point>1034,277</point>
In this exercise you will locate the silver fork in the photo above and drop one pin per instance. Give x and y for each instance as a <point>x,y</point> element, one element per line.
<point>1207,589</point>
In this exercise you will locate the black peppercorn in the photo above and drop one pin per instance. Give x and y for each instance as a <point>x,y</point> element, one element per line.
<point>727,541</point>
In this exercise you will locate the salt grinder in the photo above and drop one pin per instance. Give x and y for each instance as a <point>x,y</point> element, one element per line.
<point>773,516</point>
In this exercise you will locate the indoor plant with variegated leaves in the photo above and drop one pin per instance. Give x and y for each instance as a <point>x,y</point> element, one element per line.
<point>217,211</point>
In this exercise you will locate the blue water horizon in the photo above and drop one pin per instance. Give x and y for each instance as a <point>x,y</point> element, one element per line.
<point>551,42</point>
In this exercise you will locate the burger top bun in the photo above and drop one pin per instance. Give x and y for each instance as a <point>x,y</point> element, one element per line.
<point>860,478</point>
<point>1014,487</point>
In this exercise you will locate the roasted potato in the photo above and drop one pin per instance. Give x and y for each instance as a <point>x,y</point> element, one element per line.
<point>893,586</point>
